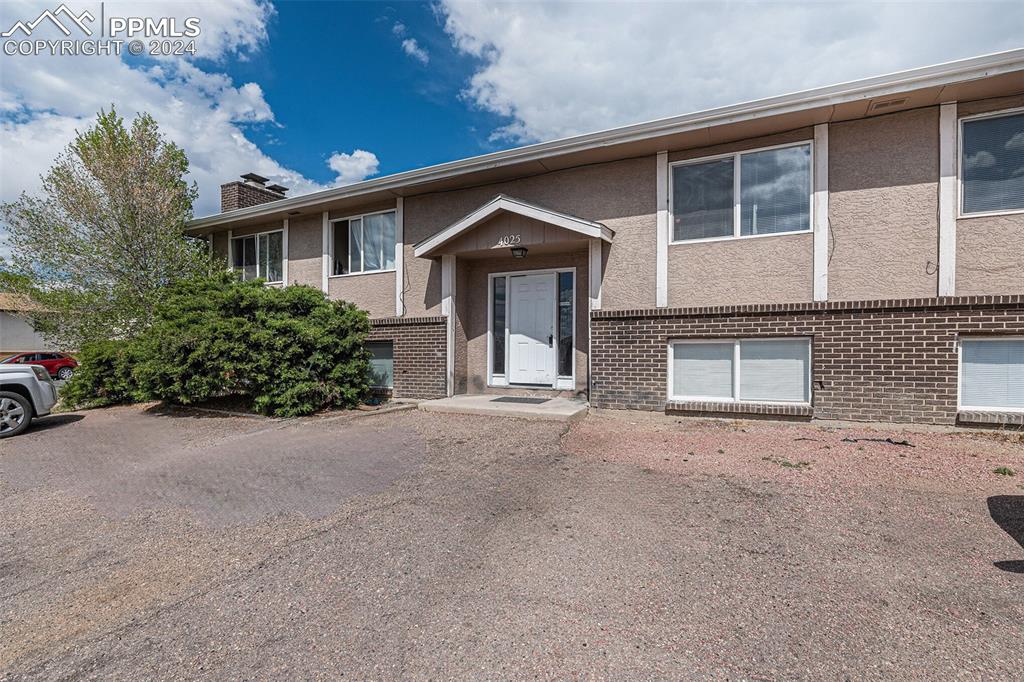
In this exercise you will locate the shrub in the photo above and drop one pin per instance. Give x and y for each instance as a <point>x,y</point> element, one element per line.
<point>104,376</point>
<point>288,351</point>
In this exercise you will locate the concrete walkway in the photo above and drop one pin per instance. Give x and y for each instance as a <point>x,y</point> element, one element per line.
<point>553,409</point>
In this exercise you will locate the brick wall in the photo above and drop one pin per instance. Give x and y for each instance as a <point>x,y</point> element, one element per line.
<point>419,352</point>
<point>871,360</point>
<point>243,195</point>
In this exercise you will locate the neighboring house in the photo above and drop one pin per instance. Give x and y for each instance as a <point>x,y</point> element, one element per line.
<point>849,252</point>
<point>16,333</point>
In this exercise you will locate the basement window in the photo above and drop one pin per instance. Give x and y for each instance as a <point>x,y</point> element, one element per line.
<point>741,370</point>
<point>382,364</point>
<point>259,256</point>
<point>992,374</point>
<point>364,243</point>
<point>746,194</point>
<point>992,164</point>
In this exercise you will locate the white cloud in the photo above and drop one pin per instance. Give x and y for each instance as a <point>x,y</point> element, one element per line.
<point>44,99</point>
<point>413,49</point>
<point>353,167</point>
<point>560,69</point>
<point>982,159</point>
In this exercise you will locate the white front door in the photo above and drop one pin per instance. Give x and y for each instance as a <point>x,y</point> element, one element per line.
<point>531,352</point>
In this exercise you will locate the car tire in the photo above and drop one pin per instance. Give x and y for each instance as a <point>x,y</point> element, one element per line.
<point>15,413</point>
<point>65,373</point>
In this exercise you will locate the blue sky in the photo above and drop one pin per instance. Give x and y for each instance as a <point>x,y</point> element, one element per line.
<point>320,94</point>
<point>369,93</point>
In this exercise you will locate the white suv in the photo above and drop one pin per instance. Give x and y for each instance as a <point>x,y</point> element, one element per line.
<point>26,391</point>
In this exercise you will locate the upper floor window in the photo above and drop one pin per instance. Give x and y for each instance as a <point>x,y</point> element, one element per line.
<point>992,164</point>
<point>259,255</point>
<point>766,191</point>
<point>364,243</point>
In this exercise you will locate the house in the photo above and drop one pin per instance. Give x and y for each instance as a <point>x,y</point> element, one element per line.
<point>16,333</point>
<point>848,252</point>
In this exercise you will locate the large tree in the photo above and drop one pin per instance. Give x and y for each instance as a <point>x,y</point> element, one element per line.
<point>98,247</point>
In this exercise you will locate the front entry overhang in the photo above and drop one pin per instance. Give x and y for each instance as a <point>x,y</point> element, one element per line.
<point>435,245</point>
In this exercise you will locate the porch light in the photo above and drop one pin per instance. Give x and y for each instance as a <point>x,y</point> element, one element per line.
<point>519,251</point>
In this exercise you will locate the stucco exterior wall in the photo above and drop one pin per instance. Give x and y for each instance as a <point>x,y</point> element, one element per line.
<point>474,314</point>
<point>990,249</point>
<point>305,250</point>
<point>777,269</point>
<point>621,195</point>
<point>883,206</point>
<point>374,292</point>
<point>732,272</point>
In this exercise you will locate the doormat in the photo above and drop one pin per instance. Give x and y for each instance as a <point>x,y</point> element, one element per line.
<point>519,399</point>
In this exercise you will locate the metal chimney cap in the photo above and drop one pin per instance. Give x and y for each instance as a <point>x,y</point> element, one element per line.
<point>277,188</point>
<point>258,179</point>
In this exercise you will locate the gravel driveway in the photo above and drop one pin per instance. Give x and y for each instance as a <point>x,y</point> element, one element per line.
<point>139,544</point>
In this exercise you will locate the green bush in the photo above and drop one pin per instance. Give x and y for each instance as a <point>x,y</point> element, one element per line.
<point>104,376</point>
<point>288,351</point>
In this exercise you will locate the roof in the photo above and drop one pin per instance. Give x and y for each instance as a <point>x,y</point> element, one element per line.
<point>16,303</point>
<point>500,203</point>
<point>975,78</point>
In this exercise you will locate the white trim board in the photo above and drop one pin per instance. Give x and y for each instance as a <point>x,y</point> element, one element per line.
<point>947,199</point>
<point>325,261</point>
<point>400,257</point>
<point>819,212</point>
<point>663,227</point>
<point>501,202</point>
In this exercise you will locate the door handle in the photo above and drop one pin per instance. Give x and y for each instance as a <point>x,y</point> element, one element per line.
<point>550,339</point>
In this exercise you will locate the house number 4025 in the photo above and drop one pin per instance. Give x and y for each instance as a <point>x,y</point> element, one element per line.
<point>509,239</point>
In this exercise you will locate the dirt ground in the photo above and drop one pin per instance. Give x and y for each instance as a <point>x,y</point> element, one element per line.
<point>146,543</point>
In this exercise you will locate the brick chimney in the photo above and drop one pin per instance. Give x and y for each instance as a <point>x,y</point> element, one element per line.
<point>251,190</point>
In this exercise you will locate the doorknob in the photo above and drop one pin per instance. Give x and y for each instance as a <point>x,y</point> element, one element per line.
<point>550,339</point>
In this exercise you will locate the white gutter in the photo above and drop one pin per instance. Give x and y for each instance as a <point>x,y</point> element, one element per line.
<point>867,88</point>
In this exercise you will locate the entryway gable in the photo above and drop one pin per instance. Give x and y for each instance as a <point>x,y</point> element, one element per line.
<point>444,240</point>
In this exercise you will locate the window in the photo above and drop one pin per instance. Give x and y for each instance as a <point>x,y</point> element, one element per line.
<point>748,370</point>
<point>382,364</point>
<point>992,374</point>
<point>565,320</point>
<point>363,243</point>
<point>742,195</point>
<point>259,255</point>
<point>498,326</point>
<point>992,164</point>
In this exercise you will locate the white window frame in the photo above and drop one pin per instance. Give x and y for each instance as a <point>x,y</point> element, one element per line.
<point>256,235</point>
<point>362,259</point>
<point>562,382</point>
<point>736,198</point>
<point>960,162</point>
<point>736,399</point>
<point>960,376</point>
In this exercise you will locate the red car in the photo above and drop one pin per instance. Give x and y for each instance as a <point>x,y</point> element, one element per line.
<point>60,365</point>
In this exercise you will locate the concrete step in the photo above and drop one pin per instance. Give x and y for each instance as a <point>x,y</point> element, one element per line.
<point>554,409</point>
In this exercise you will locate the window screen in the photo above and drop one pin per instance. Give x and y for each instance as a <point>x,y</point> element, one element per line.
<point>382,364</point>
<point>992,373</point>
<point>769,370</point>
<point>992,164</point>
<point>703,370</point>
<point>775,191</point>
<point>702,200</point>
<point>776,370</point>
